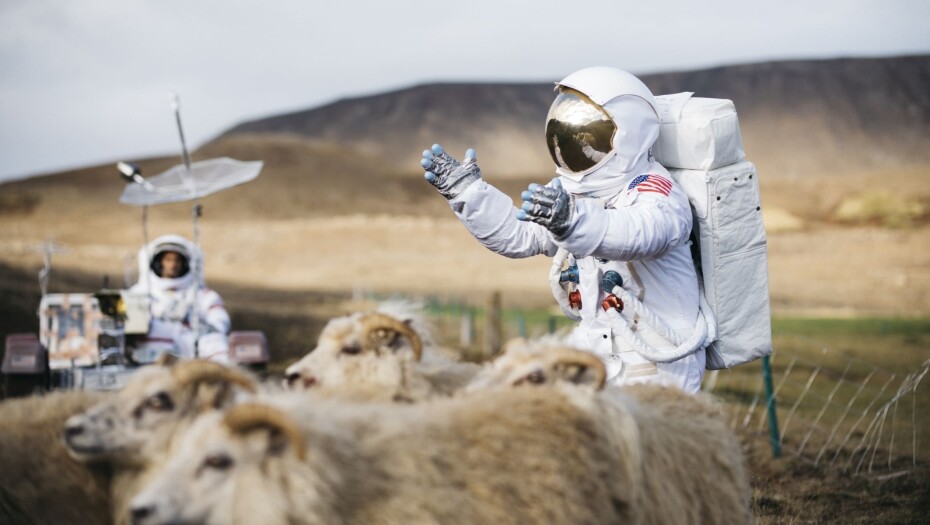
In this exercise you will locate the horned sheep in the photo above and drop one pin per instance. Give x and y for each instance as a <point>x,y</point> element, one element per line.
<point>136,422</point>
<point>526,457</point>
<point>559,454</point>
<point>685,444</point>
<point>543,361</point>
<point>381,355</point>
<point>129,430</point>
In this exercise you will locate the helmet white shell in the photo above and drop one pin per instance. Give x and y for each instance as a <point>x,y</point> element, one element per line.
<point>602,84</point>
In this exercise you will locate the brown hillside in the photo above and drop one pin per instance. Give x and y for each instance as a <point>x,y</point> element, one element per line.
<point>339,215</point>
<point>799,118</point>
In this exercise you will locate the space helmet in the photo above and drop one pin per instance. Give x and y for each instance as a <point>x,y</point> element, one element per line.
<point>162,249</point>
<point>601,116</point>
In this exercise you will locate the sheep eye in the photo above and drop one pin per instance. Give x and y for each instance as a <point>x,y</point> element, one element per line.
<point>292,378</point>
<point>537,377</point>
<point>160,401</point>
<point>352,350</point>
<point>218,462</point>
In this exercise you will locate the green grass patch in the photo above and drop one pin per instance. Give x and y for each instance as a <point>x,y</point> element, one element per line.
<point>863,326</point>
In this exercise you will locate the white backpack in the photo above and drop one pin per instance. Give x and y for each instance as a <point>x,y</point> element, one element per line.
<point>701,146</point>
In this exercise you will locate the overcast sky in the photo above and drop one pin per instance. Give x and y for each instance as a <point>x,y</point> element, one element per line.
<point>85,82</point>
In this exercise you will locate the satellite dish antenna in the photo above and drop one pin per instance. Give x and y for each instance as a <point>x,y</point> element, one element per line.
<point>186,181</point>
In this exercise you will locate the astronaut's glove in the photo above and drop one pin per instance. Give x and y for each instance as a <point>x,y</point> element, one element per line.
<point>450,176</point>
<point>549,205</point>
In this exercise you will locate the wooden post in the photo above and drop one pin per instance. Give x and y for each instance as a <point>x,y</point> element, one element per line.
<point>467,331</point>
<point>493,326</point>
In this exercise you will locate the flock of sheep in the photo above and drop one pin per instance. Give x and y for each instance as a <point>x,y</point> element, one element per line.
<point>375,425</point>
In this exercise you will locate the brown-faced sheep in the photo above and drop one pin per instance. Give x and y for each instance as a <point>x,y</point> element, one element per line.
<point>381,355</point>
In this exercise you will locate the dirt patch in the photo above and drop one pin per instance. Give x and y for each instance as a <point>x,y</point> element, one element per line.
<point>823,268</point>
<point>791,491</point>
<point>881,208</point>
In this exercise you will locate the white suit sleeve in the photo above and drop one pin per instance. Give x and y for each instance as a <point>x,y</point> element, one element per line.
<point>490,216</point>
<point>213,311</point>
<point>646,229</point>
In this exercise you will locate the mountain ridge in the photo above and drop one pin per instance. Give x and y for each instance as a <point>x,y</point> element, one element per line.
<point>797,117</point>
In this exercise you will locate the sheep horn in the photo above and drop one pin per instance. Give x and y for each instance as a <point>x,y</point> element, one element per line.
<point>244,418</point>
<point>374,322</point>
<point>199,371</point>
<point>571,356</point>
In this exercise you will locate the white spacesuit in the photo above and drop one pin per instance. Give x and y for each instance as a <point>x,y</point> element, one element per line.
<point>613,208</point>
<point>176,298</point>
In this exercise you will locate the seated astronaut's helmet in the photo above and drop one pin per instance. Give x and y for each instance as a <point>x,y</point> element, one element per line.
<point>159,254</point>
<point>599,113</point>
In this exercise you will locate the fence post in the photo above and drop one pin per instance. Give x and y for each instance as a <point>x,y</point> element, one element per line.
<point>493,325</point>
<point>467,330</point>
<point>770,404</point>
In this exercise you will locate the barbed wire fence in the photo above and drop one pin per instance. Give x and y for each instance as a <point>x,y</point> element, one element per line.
<point>838,411</point>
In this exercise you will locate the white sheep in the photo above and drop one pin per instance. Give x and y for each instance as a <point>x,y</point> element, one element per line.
<point>530,456</point>
<point>692,467</point>
<point>381,355</point>
<point>131,428</point>
<point>557,454</point>
<point>542,361</point>
<point>137,422</point>
<point>39,483</point>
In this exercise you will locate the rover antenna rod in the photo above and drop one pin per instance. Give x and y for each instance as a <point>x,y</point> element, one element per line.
<point>196,212</point>
<point>176,105</point>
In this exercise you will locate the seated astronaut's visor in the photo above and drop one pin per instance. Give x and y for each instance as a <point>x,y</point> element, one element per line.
<point>160,253</point>
<point>579,133</point>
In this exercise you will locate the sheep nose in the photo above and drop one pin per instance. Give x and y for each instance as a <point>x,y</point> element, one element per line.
<point>139,514</point>
<point>293,378</point>
<point>73,430</point>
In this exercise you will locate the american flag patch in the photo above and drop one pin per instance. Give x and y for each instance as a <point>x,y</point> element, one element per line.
<point>651,183</point>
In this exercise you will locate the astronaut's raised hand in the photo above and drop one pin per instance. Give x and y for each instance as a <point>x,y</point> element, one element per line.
<point>450,176</point>
<point>549,205</point>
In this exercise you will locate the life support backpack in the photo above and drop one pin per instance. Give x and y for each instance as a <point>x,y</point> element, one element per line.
<point>700,145</point>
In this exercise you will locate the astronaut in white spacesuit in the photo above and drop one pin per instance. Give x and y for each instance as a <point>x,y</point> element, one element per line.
<point>615,216</point>
<point>187,318</point>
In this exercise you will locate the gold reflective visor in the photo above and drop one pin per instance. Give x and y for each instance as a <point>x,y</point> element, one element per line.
<point>579,132</point>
